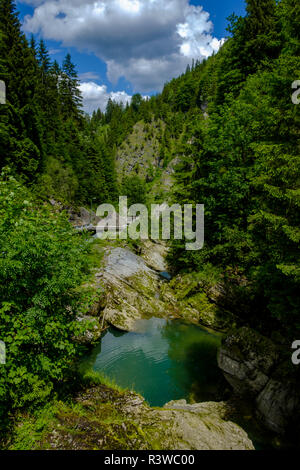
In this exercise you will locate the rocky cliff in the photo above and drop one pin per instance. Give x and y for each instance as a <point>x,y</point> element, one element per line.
<point>257,368</point>
<point>132,289</point>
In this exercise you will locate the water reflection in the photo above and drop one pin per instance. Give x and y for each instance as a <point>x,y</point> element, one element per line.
<point>195,349</point>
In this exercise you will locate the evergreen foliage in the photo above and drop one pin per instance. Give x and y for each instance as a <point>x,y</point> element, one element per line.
<point>243,162</point>
<point>45,137</point>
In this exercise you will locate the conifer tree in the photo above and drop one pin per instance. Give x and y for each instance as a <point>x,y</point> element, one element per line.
<point>22,151</point>
<point>43,59</point>
<point>69,90</point>
<point>263,40</point>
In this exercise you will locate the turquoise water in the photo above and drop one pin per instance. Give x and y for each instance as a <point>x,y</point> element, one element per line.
<point>163,361</point>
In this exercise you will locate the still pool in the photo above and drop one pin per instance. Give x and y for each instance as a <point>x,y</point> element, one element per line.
<point>163,361</point>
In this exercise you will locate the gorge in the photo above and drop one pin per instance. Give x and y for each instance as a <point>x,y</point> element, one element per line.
<point>145,344</point>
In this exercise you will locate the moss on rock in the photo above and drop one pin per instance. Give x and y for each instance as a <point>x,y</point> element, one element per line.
<point>102,418</point>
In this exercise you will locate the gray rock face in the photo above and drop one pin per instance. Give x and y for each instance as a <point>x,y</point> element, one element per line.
<point>246,358</point>
<point>83,217</point>
<point>132,290</point>
<point>278,405</point>
<point>155,255</point>
<point>250,363</point>
<point>124,264</point>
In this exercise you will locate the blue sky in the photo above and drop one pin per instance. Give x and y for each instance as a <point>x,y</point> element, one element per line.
<point>121,47</point>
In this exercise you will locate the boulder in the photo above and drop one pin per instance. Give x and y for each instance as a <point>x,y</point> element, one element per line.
<point>132,288</point>
<point>204,426</point>
<point>134,291</point>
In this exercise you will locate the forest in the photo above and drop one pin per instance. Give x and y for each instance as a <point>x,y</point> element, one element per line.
<point>232,127</point>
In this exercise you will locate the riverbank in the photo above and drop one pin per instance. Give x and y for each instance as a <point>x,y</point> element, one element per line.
<point>102,417</point>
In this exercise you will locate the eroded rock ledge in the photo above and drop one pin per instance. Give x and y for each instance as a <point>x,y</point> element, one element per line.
<point>134,290</point>
<point>111,420</point>
<point>256,367</point>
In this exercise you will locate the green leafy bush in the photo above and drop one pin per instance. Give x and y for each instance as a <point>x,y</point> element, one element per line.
<point>42,264</point>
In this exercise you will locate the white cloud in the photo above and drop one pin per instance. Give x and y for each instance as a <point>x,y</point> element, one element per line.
<point>96,96</point>
<point>195,34</point>
<point>89,76</point>
<point>146,41</point>
<point>54,51</point>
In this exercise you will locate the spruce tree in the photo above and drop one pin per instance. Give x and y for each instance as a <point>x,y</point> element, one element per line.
<point>263,39</point>
<point>23,149</point>
<point>69,90</point>
<point>43,59</point>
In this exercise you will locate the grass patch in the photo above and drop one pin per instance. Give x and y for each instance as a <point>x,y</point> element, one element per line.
<point>31,431</point>
<point>90,377</point>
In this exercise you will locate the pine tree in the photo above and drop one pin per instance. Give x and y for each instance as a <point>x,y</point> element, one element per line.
<point>33,45</point>
<point>43,59</point>
<point>22,151</point>
<point>260,17</point>
<point>15,53</point>
<point>69,90</point>
<point>262,36</point>
<point>289,16</point>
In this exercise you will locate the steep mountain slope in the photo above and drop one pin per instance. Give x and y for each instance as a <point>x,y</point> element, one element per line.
<point>141,154</point>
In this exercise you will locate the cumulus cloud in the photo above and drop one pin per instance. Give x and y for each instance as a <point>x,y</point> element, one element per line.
<point>96,96</point>
<point>146,41</point>
<point>195,34</point>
